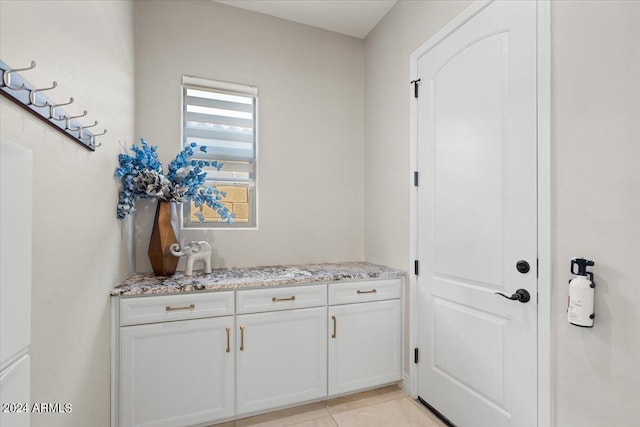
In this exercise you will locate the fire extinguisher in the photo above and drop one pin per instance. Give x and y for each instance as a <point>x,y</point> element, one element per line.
<point>581,294</point>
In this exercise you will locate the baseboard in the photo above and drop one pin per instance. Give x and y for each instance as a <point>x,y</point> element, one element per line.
<point>406,383</point>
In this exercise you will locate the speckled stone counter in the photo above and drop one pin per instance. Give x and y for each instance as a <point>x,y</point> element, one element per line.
<point>253,277</point>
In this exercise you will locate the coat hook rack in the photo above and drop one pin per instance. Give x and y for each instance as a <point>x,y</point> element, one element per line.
<point>17,89</point>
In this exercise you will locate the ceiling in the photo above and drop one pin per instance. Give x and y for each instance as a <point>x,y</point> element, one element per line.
<point>351,17</point>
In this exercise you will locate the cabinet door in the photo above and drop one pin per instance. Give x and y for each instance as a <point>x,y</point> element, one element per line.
<point>365,345</point>
<point>177,373</point>
<point>281,358</point>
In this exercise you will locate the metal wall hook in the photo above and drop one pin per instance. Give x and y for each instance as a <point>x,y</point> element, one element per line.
<point>52,109</point>
<point>32,95</point>
<point>95,123</point>
<point>93,138</point>
<point>6,76</point>
<point>69,118</point>
<point>81,128</point>
<point>21,87</point>
<point>35,100</point>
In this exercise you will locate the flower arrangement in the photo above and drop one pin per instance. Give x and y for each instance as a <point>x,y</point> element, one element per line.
<point>142,176</point>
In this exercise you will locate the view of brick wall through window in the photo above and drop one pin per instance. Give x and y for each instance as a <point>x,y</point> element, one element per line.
<point>236,200</point>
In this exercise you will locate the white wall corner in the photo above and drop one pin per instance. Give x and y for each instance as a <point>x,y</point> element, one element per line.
<point>406,383</point>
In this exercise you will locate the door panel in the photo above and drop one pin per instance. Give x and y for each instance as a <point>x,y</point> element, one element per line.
<point>281,359</point>
<point>366,348</point>
<point>476,118</point>
<point>461,330</point>
<point>176,373</point>
<point>468,153</point>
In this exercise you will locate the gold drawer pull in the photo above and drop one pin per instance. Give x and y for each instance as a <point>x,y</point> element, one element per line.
<point>291,298</point>
<point>372,291</point>
<point>186,307</point>
<point>228,340</point>
<point>334,326</point>
<point>241,338</point>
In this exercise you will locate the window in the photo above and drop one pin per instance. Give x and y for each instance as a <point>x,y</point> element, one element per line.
<point>222,117</point>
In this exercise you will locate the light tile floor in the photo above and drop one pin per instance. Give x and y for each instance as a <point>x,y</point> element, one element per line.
<point>383,407</point>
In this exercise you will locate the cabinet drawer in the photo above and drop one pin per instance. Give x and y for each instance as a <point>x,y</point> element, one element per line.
<point>134,311</point>
<point>366,290</point>
<point>258,300</point>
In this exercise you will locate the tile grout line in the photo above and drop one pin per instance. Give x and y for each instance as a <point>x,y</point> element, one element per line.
<point>383,398</point>
<point>329,412</point>
<point>364,406</point>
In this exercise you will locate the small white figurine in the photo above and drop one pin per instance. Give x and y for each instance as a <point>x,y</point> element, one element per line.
<point>194,251</point>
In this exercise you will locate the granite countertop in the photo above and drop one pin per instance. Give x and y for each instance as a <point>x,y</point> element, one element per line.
<point>253,277</point>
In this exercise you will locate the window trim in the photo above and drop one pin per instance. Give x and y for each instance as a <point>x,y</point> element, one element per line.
<point>185,212</point>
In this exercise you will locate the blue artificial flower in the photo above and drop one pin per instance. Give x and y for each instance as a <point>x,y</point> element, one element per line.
<point>142,176</point>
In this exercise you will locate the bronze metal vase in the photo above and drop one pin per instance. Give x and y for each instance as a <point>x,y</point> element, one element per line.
<point>162,237</point>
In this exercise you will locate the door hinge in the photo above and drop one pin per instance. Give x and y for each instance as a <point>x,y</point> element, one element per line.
<point>415,84</point>
<point>416,267</point>
<point>538,267</point>
<point>415,178</point>
<point>415,355</point>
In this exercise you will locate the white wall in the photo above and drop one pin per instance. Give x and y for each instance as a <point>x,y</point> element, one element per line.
<point>596,137</point>
<point>80,250</point>
<point>311,91</point>
<point>387,172</point>
<point>596,141</point>
<point>388,175</point>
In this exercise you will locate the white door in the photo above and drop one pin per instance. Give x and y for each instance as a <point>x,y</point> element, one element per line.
<point>476,117</point>
<point>281,359</point>
<point>365,348</point>
<point>177,374</point>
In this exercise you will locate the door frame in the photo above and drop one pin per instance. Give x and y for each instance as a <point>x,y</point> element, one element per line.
<point>544,201</point>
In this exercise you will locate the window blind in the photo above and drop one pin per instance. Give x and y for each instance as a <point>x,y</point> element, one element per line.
<point>221,120</point>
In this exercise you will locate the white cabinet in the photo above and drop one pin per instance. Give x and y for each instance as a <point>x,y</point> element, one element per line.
<point>194,359</point>
<point>16,177</point>
<point>281,358</point>
<point>177,373</point>
<point>364,345</point>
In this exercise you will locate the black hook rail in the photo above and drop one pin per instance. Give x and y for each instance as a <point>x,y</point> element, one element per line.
<point>17,89</point>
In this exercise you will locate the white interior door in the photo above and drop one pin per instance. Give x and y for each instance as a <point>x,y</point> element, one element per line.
<point>476,117</point>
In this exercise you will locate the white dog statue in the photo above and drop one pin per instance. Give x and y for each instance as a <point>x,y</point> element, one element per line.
<point>194,251</point>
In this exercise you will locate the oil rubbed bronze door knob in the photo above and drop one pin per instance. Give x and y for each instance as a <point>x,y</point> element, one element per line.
<point>521,295</point>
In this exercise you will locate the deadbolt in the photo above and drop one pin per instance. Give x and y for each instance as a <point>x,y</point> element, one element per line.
<point>523,266</point>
